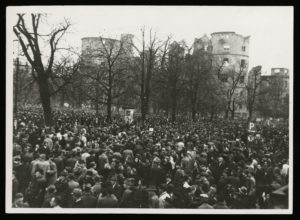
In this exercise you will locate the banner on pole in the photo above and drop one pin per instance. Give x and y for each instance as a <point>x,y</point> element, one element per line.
<point>129,115</point>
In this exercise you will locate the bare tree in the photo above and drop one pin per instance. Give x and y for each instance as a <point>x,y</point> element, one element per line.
<point>175,73</point>
<point>232,79</point>
<point>29,39</point>
<point>107,72</point>
<point>253,88</point>
<point>146,64</point>
<point>198,72</point>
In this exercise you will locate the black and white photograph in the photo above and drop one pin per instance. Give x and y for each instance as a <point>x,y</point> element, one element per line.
<point>149,109</point>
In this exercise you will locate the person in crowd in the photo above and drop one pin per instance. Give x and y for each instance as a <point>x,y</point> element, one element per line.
<point>107,199</point>
<point>55,202</point>
<point>19,201</point>
<point>202,164</point>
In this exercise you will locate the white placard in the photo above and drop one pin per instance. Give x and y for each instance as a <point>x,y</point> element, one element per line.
<point>129,115</point>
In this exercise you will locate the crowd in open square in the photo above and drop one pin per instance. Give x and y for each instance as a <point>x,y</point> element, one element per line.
<point>140,122</point>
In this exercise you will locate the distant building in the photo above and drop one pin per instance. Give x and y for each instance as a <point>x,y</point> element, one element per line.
<point>230,49</point>
<point>95,52</point>
<point>280,76</point>
<point>91,47</point>
<point>231,52</point>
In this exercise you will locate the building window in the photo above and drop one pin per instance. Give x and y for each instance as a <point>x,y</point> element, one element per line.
<point>243,63</point>
<point>226,47</point>
<point>226,61</point>
<point>243,48</point>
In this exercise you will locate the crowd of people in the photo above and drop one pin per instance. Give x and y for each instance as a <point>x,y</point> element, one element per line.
<point>81,161</point>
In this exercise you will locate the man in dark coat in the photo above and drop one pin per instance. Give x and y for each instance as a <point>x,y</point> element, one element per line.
<point>77,203</point>
<point>88,199</point>
<point>117,189</point>
<point>108,199</point>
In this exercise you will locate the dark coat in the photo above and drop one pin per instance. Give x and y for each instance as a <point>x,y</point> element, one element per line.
<point>89,201</point>
<point>109,201</point>
<point>118,191</point>
<point>78,204</point>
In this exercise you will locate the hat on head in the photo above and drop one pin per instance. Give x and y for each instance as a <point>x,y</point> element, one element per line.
<point>77,192</point>
<point>19,196</point>
<point>243,190</point>
<point>51,188</point>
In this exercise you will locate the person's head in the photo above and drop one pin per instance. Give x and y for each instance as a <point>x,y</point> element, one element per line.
<point>55,201</point>
<point>97,179</point>
<point>220,159</point>
<point>51,189</point>
<point>87,187</point>
<point>170,188</point>
<point>39,173</point>
<point>77,193</point>
<point>113,180</point>
<point>71,176</point>
<point>93,165</point>
<point>42,157</point>
<point>19,199</point>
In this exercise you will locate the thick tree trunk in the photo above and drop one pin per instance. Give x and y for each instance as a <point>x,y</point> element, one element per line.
<point>233,110</point>
<point>212,114</point>
<point>62,98</point>
<point>174,111</point>
<point>194,109</point>
<point>108,109</point>
<point>16,86</point>
<point>109,99</point>
<point>143,109</point>
<point>45,99</point>
<point>250,114</point>
<point>226,113</point>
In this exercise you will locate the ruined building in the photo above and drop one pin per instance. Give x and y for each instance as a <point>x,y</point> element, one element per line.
<point>230,55</point>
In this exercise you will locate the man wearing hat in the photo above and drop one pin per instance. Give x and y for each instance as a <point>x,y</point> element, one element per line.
<point>117,189</point>
<point>107,199</point>
<point>166,196</point>
<point>88,199</point>
<point>77,200</point>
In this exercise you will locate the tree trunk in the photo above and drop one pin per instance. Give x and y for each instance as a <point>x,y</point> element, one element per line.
<point>193,112</point>
<point>194,107</point>
<point>227,110</point>
<point>16,86</point>
<point>62,98</point>
<point>45,99</point>
<point>109,97</point>
<point>174,111</point>
<point>109,109</point>
<point>212,113</point>
<point>250,114</point>
<point>233,110</point>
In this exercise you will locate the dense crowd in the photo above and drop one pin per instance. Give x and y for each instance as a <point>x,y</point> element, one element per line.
<point>84,162</point>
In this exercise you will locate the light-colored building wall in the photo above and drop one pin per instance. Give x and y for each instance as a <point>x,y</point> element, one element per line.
<point>231,51</point>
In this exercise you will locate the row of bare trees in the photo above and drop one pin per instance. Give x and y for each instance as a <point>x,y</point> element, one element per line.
<point>167,76</point>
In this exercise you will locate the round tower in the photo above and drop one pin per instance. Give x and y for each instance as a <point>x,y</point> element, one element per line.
<point>231,49</point>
